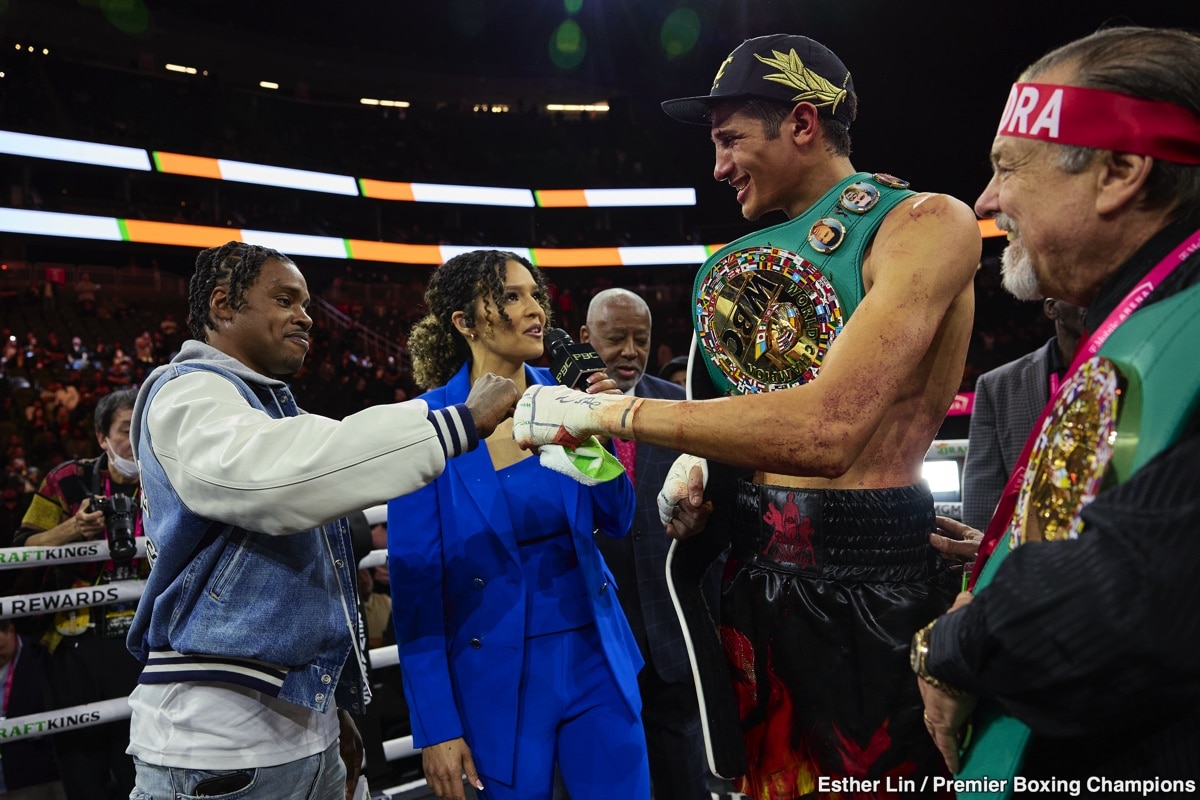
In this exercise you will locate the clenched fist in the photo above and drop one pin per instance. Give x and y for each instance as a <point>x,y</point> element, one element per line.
<point>490,401</point>
<point>558,415</point>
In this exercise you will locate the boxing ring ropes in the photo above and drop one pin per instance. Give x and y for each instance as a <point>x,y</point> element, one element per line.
<point>82,716</point>
<point>55,721</point>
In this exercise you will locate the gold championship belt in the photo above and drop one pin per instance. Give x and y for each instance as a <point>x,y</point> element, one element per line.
<point>1070,455</point>
<point>765,318</point>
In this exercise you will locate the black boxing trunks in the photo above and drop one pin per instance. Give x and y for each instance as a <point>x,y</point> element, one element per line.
<point>823,590</point>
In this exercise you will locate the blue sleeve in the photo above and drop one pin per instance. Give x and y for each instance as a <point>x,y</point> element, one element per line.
<point>614,503</point>
<point>416,567</point>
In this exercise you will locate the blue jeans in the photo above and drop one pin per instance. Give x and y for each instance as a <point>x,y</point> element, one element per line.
<point>319,777</point>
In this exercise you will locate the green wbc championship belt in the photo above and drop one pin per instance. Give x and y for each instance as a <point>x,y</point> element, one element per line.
<point>1121,408</point>
<point>769,305</point>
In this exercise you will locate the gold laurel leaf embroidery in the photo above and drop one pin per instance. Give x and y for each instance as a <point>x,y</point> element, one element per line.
<point>721,71</point>
<point>812,87</point>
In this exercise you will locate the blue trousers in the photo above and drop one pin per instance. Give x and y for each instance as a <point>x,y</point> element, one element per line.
<point>572,712</point>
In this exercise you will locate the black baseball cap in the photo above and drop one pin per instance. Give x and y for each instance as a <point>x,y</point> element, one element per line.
<point>777,67</point>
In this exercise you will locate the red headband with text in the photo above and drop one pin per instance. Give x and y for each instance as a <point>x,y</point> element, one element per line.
<point>1101,119</point>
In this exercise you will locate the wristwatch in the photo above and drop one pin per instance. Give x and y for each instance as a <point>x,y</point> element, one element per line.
<point>918,654</point>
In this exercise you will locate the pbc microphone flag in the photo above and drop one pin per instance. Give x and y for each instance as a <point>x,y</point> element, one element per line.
<point>571,363</point>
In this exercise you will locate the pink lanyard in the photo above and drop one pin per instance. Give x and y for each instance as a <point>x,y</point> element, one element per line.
<point>1086,349</point>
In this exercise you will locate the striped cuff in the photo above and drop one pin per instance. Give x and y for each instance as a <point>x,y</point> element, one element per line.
<point>167,666</point>
<point>455,429</point>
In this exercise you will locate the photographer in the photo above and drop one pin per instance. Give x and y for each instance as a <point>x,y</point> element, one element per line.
<point>81,500</point>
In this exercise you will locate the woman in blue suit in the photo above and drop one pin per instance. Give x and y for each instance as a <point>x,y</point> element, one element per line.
<point>514,649</point>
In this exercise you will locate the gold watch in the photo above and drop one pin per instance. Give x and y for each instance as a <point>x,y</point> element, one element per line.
<point>918,654</point>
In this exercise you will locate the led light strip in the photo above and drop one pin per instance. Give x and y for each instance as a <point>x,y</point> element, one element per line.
<point>103,155</point>
<point>110,229</point>
<point>79,152</point>
<point>613,198</point>
<point>74,151</point>
<point>258,174</point>
<point>442,193</point>
<point>140,231</point>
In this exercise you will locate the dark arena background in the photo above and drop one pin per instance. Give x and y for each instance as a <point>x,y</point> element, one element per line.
<point>370,141</point>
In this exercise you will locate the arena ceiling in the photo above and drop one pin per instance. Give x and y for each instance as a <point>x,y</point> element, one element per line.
<point>932,76</point>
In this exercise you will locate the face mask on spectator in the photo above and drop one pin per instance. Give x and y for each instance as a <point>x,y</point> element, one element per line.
<point>127,467</point>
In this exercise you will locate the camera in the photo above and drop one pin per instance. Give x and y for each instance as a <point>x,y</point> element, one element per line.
<point>119,525</point>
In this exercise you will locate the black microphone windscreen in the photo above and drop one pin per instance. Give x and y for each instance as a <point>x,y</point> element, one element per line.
<point>556,339</point>
<point>571,363</point>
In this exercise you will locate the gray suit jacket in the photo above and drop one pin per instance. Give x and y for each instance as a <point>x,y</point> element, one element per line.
<point>1008,401</point>
<point>638,561</point>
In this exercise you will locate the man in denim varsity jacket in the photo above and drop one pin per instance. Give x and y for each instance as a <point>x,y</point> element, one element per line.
<point>247,625</point>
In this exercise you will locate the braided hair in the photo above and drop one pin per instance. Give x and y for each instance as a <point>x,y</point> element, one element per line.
<point>233,264</point>
<point>436,348</point>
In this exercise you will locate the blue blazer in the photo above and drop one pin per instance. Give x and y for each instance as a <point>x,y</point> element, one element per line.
<point>459,595</point>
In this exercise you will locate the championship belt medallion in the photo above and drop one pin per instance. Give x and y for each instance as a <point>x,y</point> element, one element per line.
<point>765,318</point>
<point>890,180</point>
<point>1070,455</point>
<point>826,235</point>
<point>859,198</point>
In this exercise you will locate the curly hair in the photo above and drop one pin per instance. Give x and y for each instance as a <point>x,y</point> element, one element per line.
<point>436,348</point>
<point>233,264</point>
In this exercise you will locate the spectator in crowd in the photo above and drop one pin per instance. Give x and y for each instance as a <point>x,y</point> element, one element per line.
<point>32,350</point>
<point>618,327</point>
<point>26,475</point>
<point>380,580</point>
<point>33,293</point>
<point>675,371</point>
<point>53,349</point>
<point>27,767</point>
<point>143,348</point>
<point>13,502</point>
<point>120,371</point>
<point>515,652</point>
<point>78,356</point>
<point>273,662</point>
<point>1008,401</point>
<point>66,395</point>
<point>377,609</point>
<point>85,294</point>
<point>49,297</point>
<point>88,661</point>
<point>1081,626</point>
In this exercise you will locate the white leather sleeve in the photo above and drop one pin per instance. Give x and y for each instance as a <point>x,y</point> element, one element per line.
<point>233,463</point>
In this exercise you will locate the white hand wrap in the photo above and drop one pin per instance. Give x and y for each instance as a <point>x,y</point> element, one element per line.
<point>559,415</point>
<point>675,487</point>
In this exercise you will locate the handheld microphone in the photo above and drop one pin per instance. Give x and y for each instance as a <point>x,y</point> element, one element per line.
<point>571,363</point>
